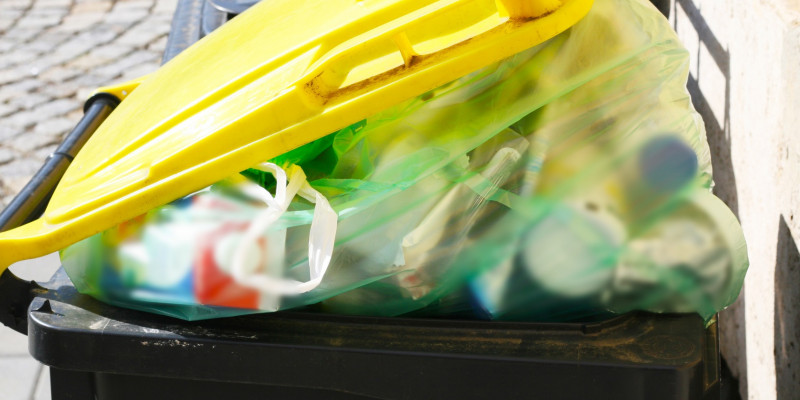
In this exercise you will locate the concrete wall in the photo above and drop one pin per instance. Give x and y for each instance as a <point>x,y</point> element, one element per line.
<point>745,81</point>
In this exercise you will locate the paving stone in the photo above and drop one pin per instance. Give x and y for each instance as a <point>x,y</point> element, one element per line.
<point>88,82</point>
<point>7,133</point>
<point>11,15</point>
<point>15,175</point>
<point>132,4</point>
<point>159,44</point>
<point>57,107</point>
<point>22,120</point>
<point>59,74</point>
<point>116,28</point>
<point>31,117</point>
<point>13,184</point>
<point>63,90</point>
<point>142,69</point>
<point>46,9</point>
<point>19,88</point>
<point>77,114</point>
<point>143,34</point>
<point>98,36</point>
<point>7,155</point>
<point>126,16</point>
<point>160,24</point>
<point>17,4</point>
<point>54,3</point>
<point>56,127</point>
<point>34,70</point>
<point>6,109</point>
<point>87,61</point>
<point>161,18</point>
<point>39,22</point>
<point>22,56</point>
<point>22,34</point>
<point>39,269</point>
<point>12,343</point>
<point>89,7</point>
<point>40,46</point>
<point>41,9</point>
<point>52,59</point>
<point>6,63</point>
<point>8,20</point>
<point>13,75</point>
<point>53,53</point>
<point>18,380</point>
<point>44,152</point>
<point>5,46</point>
<point>112,51</point>
<point>50,7</point>
<point>22,71</point>
<point>80,22</point>
<point>75,47</point>
<point>129,60</point>
<point>43,385</point>
<point>165,7</point>
<point>47,41</point>
<point>29,101</point>
<point>28,143</point>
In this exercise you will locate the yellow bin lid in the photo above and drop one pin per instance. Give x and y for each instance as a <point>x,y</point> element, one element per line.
<point>282,74</point>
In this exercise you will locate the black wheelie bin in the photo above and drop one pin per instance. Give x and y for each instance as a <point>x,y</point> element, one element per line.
<point>98,351</point>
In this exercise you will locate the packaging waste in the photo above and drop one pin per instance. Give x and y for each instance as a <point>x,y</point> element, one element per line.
<point>569,181</point>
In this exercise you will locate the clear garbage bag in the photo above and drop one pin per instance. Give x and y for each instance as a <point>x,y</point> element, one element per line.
<point>570,181</point>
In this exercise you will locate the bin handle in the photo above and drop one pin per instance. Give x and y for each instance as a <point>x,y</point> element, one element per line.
<point>15,293</point>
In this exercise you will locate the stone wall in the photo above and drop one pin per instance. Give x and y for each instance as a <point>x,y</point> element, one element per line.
<point>745,81</point>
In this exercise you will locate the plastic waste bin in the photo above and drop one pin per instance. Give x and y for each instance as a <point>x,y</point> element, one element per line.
<point>98,351</point>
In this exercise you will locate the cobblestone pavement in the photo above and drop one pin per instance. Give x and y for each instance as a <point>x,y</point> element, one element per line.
<point>53,53</point>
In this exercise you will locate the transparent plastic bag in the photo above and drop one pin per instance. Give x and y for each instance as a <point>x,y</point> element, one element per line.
<point>569,181</point>
<point>219,247</point>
